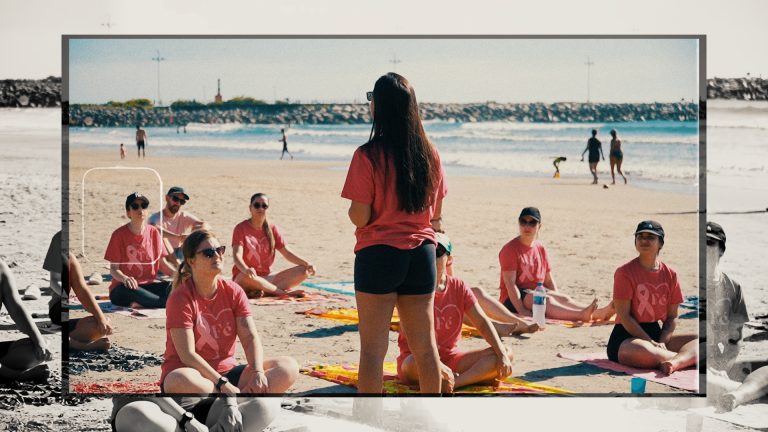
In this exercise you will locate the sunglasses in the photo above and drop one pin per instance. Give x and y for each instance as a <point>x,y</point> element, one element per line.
<point>369,96</point>
<point>712,242</point>
<point>181,201</point>
<point>210,252</point>
<point>440,251</point>
<point>528,222</point>
<point>136,206</point>
<point>260,206</point>
<point>648,237</point>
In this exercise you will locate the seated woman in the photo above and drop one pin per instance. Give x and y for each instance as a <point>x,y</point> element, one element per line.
<point>254,242</point>
<point>191,414</point>
<point>206,313</point>
<point>22,359</point>
<point>458,368</point>
<point>135,252</point>
<point>646,291</point>
<point>524,263</point>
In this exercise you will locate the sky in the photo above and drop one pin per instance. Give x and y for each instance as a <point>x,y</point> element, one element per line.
<point>342,70</point>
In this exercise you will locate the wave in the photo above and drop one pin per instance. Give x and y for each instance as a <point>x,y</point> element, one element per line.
<point>28,120</point>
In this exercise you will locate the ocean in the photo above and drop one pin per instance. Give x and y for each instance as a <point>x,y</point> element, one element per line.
<point>657,154</point>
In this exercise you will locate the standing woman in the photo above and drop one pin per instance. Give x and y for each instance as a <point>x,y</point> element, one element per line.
<point>135,252</point>
<point>206,314</point>
<point>616,156</point>
<point>645,292</point>
<point>524,263</point>
<point>254,242</point>
<point>395,183</point>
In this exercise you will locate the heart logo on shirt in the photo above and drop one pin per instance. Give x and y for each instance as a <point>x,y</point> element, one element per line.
<point>448,318</point>
<point>649,296</point>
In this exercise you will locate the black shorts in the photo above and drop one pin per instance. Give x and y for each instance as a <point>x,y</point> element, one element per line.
<point>72,324</point>
<point>54,313</point>
<point>382,269</point>
<point>620,334</point>
<point>140,144</point>
<point>233,375</point>
<point>199,407</point>
<point>508,302</point>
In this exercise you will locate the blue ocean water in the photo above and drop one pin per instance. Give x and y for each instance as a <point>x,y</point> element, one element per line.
<point>660,153</point>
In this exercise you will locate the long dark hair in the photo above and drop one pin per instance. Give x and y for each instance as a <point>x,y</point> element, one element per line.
<point>265,226</point>
<point>398,135</point>
<point>188,249</point>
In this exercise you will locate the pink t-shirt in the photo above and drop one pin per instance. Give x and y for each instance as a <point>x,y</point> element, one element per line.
<point>649,291</point>
<point>181,223</point>
<point>212,321</point>
<point>388,224</point>
<point>138,255</point>
<point>256,250</point>
<point>530,262</point>
<point>450,306</point>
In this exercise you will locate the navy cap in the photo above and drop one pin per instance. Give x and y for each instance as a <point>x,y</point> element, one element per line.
<point>715,231</point>
<point>444,241</point>
<point>650,226</point>
<point>133,197</point>
<point>532,212</point>
<point>178,190</point>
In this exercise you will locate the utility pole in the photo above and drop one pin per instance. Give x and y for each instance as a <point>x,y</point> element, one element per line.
<point>158,59</point>
<point>589,64</point>
<point>394,62</point>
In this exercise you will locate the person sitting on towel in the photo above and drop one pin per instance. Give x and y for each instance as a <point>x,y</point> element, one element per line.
<point>453,300</point>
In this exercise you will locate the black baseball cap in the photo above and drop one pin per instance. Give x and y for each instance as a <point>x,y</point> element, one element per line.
<point>178,190</point>
<point>133,197</point>
<point>650,226</point>
<point>443,240</point>
<point>715,231</point>
<point>532,212</point>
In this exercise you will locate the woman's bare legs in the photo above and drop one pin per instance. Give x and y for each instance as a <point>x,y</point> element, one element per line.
<point>755,386</point>
<point>86,336</point>
<point>257,412</point>
<point>289,278</point>
<point>505,322</point>
<point>613,163</point>
<point>140,416</point>
<point>687,348</point>
<point>476,366</point>
<point>618,168</point>
<point>643,354</point>
<point>375,312</point>
<point>556,309</point>
<point>604,313</point>
<point>187,380</point>
<point>418,323</point>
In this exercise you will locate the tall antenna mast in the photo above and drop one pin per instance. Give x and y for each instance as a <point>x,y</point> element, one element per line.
<point>158,59</point>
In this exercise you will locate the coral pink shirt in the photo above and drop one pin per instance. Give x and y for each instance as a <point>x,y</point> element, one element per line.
<point>138,255</point>
<point>450,306</point>
<point>650,291</point>
<point>530,262</point>
<point>388,224</point>
<point>212,321</point>
<point>256,250</point>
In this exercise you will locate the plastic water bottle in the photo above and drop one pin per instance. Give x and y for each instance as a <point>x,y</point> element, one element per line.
<point>539,304</point>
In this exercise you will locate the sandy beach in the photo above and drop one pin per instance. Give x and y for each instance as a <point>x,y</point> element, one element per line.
<point>587,230</point>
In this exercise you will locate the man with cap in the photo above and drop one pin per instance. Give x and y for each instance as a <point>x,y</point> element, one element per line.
<point>135,252</point>
<point>726,314</point>
<point>176,223</point>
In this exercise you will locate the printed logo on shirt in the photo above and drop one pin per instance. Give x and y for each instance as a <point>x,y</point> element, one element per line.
<point>138,257</point>
<point>528,263</point>
<point>214,328</point>
<point>448,318</point>
<point>650,296</point>
<point>255,250</point>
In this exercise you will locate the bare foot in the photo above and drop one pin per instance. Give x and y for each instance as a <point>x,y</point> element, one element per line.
<point>667,367</point>
<point>255,294</point>
<point>528,328</point>
<point>297,293</point>
<point>625,180</point>
<point>586,314</point>
<point>604,313</point>
<point>135,305</point>
<point>101,344</point>
<point>725,403</point>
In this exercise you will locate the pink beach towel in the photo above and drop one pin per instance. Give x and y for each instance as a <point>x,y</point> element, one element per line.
<point>687,379</point>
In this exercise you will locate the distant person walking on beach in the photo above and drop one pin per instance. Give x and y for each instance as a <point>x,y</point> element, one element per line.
<point>616,156</point>
<point>595,148</point>
<point>556,164</point>
<point>141,140</point>
<point>396,187</point>
<point>122,151</point>
<point>285,145</point>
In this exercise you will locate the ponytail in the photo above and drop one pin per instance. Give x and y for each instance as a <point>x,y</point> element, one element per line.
<point>270,235</point>
<point>182,274</point>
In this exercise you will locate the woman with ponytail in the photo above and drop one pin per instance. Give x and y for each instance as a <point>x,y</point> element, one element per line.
<point>395,185</point>
<point>254,242</point>
<point>205,315</point>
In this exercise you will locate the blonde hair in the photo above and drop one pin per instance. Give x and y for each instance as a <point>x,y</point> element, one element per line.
<point>188,249</point>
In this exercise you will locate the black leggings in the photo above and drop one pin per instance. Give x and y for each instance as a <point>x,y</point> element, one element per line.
<point>151,295</point>
<point>620,334</point>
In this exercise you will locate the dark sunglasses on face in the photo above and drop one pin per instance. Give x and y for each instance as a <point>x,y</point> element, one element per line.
<point>712,242</point>
<point>136,206</point>
<point>181,201</point>
<point>369,96</point>
<point>648,237</point>
<point>528,222</point>
<point>210,252</point>
<point>260,206</point>
<point>440,251</point>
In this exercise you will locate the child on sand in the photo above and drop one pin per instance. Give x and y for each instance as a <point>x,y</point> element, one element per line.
<point>453,301</point>
<point>122,151</point>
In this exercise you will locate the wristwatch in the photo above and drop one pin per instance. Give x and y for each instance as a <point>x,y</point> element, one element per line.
<point>185,418</point>
<point>222,380</point>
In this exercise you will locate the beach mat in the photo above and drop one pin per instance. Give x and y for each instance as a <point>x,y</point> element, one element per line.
<point>116,359</point>
<point>350,316</point>
<point>345,288</point>
<point>123,387</point>
<point>575,324</point>
<point>348,375</point>
<point>140,314</point>
<point>687,379</point>
<point>691,302</point>
<point>753,416</point>
<point>310,297</point>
